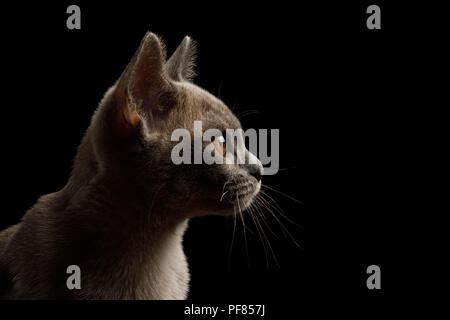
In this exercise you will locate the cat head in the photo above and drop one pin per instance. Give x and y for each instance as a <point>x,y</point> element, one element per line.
<point>133,129</point>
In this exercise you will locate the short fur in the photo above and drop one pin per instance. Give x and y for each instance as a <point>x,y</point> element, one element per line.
<point>123,212</point>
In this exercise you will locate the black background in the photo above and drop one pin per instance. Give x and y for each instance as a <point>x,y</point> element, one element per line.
<point>339,93</point>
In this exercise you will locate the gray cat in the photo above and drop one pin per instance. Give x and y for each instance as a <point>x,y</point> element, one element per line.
<point>122,214</point>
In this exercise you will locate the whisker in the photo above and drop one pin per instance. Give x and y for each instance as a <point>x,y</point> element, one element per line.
<point>223,195</point>
<point>261,203</point>
<point>267,241</point>
<point>219,93</point>
<point>284,229</point>
<point>232,237</point>
<point>261,214</point>
<point>250,210</point>
<point>245,235</point>
<point>224,185</point>
<point>282,193</point>
<point>245,113</point>
<point>285,169</point>
<point>233,106</point>
<point>273,204</point>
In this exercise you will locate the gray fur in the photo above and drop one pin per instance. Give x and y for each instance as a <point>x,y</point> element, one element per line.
<point>180,66</point>
<point>123,212</point>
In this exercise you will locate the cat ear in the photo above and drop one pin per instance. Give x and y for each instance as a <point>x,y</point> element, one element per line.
<point>180,66</point>
<point>143,82</point>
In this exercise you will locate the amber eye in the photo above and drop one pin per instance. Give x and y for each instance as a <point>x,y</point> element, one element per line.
<point>220,144</point>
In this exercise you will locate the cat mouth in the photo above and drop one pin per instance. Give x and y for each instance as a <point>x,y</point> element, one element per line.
<point>240,195</point>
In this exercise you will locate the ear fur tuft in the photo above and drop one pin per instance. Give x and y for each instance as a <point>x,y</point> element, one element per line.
<point>181,64</point>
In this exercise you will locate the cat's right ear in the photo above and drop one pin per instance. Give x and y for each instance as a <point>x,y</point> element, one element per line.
<point>180,66</point>
<point>140,88</point>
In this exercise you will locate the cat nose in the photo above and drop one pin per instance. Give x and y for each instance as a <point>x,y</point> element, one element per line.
<point>256,171</point>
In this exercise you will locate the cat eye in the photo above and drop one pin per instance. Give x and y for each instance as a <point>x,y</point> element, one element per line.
<point>220,144</point>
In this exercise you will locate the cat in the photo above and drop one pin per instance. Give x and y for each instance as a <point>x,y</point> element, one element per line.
<point>123,212</point>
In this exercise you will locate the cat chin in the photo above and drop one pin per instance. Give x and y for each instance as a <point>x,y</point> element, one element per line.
<point>242,203</point>
<point>226,205</point>
<point>247,201</point>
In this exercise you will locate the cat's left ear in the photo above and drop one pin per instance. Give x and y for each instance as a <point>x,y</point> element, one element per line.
<point>181,64</point>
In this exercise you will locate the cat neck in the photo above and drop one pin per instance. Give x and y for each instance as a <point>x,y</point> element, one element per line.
<point>117,200</point>
<point>132,237</point>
